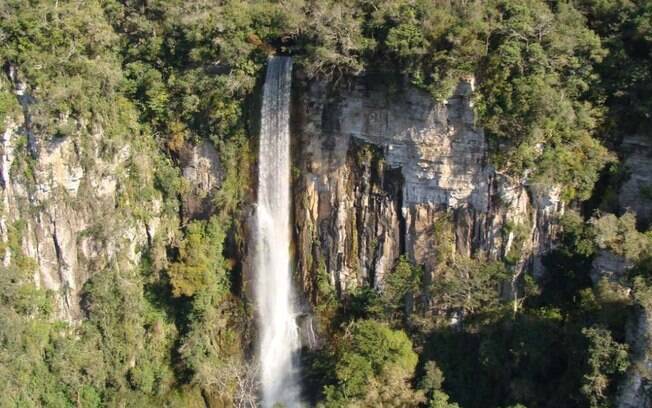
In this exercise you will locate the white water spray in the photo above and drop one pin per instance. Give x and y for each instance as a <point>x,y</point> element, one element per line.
<point>278,329</point>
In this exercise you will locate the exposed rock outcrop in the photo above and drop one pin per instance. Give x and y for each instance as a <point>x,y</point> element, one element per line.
<point>201,169</point>
<point>636,389</point>
<point>378,171</point>
<point>636,192</point>
<point>635,195</point>
<point>69,196</point>
<point>609,265</point>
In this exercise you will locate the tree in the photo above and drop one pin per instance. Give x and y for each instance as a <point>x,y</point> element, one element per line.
<point>604,359</point>
<point>431,384</point>
<point>334,40</point>
<point>533,103</point>
<point>440,400</point>
<point>401,284</point>
<point>469,285</point>
<point>620,236</point>
<point>373,363</point>
<point>200,261</point>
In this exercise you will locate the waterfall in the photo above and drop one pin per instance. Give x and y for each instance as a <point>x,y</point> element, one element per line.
<point>278,330</point>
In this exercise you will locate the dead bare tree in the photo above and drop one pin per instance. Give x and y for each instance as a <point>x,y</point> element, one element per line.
<point>235,378</point>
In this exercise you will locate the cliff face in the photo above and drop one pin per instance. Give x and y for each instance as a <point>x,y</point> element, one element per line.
<point>201,169</point>
<point>85,202</point>
<point>378,171</point>
<point>67,194</point>
<point>636,388</point>
<point>636,192</point>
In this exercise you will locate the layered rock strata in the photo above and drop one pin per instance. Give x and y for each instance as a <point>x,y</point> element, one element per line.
<point>377,171</point>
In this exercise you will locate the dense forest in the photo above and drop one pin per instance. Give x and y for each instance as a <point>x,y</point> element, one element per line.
<point>558,85</point>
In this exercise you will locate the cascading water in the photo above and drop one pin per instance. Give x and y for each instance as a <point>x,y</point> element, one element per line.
<point>279,336</point>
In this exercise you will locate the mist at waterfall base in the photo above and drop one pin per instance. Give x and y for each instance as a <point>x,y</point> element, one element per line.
<point>279,336</point>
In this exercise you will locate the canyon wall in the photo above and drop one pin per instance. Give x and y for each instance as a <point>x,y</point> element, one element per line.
<point>636,192</point>
<point>635,196</point>
<point>378,170</point>
<point>62,198</point>
<point>85,202</point>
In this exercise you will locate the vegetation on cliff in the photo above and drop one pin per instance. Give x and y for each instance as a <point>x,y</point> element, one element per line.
<point>555,81</point>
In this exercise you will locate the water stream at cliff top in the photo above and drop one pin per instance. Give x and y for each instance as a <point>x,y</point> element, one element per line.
<point>274,295</point>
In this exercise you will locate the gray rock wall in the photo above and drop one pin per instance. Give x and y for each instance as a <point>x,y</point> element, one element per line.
<point>635,195</point>
<point>636,388</point>
<point>636,192</point>
<point>376,171</point>
<point>66,192</point>
<point>86,201</point>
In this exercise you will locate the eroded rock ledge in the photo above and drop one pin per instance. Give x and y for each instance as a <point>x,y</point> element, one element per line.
<point>378,170</point>
<point>80,201</point>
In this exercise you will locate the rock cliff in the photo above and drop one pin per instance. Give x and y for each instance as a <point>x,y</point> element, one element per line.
<point>636,192</point>
<point>202,171</point>
<point>636,388</point>
<point>378,170</point>
<point>69,196</point>
<point>86,202</point>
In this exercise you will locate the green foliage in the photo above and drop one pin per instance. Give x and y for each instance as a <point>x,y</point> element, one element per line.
<point>368,356</point>
<point>211,348</point>
<point>535,63</point>
<point>8,105</point>
<point>66,54</point>
<point>163,75</point>
<point>569,264</point>
<point>434,46</point>
<point>578,237</point>
<point>508,356</point>
<point>25,332</point>
<point>120,348</point>
<point>440,400</point>
<point>334,40</point>
<point>364,303</point>
<point>469,285</point>
<point>620,236</point>
<point>401,284</point>
<point>605,357</point>
<point>433,377</point>
<point>237,160</point>
<point>532,95</point>
<point>126,72</point>
<point>200,263</point>
<point>624,74</point>
<point>517,234</point>
<point>431,383</point>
